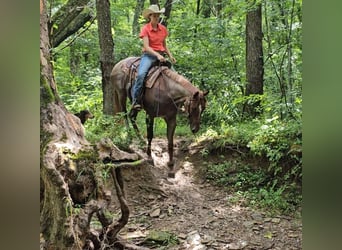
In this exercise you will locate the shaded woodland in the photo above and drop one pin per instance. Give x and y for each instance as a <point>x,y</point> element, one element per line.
<point>247,53</point>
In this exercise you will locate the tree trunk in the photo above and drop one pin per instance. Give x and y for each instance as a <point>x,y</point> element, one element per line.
<point>107,54</point>
<point>167,14</point>
<point>154,2</point>
<point>198,7</point>
<point>71,188</point>
<point>254,60</point>
<point>219,7</point>
<point>206,8</point>
<point>137,12</point>
<point>56,125</point>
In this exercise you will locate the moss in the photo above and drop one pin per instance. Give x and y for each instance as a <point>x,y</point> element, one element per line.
<point>64,137</point>
<point>46,94</point>
<point>161,238</point>
<point>90,155</point>
<point>45,138</point>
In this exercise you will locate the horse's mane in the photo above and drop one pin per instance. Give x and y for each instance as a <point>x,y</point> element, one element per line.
<point>180,80</point>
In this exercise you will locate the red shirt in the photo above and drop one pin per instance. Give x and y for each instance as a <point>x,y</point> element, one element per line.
<point>156,38</point>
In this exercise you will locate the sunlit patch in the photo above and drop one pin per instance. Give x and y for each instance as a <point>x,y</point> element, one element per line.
<point>236,208</point>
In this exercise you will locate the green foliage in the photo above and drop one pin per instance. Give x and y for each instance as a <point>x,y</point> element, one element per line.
<point>103,126</point>
<point>210,52</point>
<point>275,139</point>
<point>273,144</point>
<point>255,185</point>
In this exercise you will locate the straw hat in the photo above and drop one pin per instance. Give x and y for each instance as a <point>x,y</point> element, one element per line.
<point>152,9</point>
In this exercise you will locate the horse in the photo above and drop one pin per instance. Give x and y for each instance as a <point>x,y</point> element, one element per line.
<point>165,93</point>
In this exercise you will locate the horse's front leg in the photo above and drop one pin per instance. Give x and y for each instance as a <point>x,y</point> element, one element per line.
<point>171,126</point>
<point>149,126</point>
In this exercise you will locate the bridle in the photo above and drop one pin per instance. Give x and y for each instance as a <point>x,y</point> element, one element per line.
<point>187,105</point>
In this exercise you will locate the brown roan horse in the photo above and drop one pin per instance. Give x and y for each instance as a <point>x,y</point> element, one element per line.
<point>166,92</point>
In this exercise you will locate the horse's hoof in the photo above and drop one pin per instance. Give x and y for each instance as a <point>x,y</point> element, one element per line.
<point>171,174</point>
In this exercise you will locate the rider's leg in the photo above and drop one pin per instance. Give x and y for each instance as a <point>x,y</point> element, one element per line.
<point>145,63</point>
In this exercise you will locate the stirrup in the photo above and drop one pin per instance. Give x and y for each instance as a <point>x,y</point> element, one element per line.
<point>136,106</point>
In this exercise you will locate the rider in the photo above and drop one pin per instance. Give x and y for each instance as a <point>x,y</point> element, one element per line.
<point>154,36</point>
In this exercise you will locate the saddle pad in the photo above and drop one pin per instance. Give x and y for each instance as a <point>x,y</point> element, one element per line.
<point>152,77</point>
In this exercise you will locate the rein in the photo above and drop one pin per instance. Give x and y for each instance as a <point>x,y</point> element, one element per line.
<point>187,105</point>
<point>182,82</point>
<point>173,101</point>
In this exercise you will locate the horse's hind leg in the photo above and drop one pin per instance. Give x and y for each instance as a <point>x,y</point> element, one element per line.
<point>171,126</point>
<point>122,101</point>
<point>133,117</point>
<point>149,126</point>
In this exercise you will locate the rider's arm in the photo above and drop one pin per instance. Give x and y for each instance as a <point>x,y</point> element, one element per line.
<point>148,49</point>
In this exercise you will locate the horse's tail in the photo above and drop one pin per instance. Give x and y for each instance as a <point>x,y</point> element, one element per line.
<point>117,106</point>
<point>117,79</point>
<point>121,78</point>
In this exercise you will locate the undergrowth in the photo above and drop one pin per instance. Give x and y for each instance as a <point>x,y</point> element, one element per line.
<point>258,162</point>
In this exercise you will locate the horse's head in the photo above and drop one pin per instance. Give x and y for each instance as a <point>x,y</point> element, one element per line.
<point>194,106</point>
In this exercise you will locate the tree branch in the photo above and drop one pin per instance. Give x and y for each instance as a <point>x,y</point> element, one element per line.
<point>114,228</point>
<point>68,19</point>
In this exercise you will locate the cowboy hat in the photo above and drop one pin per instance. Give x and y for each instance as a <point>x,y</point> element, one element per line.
<point>152,9</point>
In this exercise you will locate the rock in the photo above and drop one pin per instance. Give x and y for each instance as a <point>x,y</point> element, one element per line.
<point>248,224</point>
<point>193,241</point>
<point>155,213</point>
<point>292,235</point>
<point>182,236</point>
<point>268,219</point>
<point>268,245</point>
<point>276,220</point>
<point>241,244</point>
<point>207,240</point>
<point>257,217</point>
<point>107,150</point>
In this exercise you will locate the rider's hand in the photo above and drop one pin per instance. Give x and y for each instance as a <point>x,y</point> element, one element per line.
<point>173,60</point>
<point>161,58</point>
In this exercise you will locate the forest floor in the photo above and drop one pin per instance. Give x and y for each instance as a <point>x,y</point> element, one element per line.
<point>188,212</point>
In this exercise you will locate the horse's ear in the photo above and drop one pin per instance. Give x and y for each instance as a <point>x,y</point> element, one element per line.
<point>195,96</point>
<point>205,92</point>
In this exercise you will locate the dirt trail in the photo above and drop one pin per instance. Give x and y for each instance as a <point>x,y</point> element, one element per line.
<point>199,214</point>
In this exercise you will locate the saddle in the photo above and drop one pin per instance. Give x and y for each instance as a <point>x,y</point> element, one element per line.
<point>131,70</point>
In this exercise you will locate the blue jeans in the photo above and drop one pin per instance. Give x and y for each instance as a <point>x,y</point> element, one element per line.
<point>145,64</point>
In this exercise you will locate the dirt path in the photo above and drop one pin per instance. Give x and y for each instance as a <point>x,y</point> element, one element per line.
<point>199,214</point>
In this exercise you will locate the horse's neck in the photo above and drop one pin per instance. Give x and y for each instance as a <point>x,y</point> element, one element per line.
<point>180,88</point>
